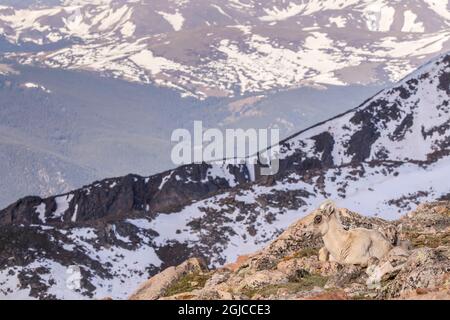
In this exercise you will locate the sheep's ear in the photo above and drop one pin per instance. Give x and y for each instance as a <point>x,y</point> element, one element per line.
<point>328,207</point>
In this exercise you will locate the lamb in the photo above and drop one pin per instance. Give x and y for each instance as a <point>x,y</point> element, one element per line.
<point>357,246</point>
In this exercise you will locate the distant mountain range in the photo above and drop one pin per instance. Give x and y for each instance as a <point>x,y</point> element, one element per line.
<point>214,48</point>
<point>381,158</point>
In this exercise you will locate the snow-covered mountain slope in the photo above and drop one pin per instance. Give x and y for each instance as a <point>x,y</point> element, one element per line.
<point>407,122</point>
<point>381,158</point>
<point>224,48</point>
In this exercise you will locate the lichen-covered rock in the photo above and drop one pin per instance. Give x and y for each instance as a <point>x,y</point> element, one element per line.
<point>297,266</point>
<point>425,268</point>
<point>263,278</point>
<point>423,294</point>
<point>203,294</point>
<point>217,279</point>
<point>346,275</point>
<point>240,261</point>
<point>388,267</point>
<point>157,286</point>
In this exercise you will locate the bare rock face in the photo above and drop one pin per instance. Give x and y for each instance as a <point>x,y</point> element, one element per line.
<point>290,268</point>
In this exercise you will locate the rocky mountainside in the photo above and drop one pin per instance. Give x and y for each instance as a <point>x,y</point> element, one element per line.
<point>290,267</point>
<point>218,48</point>
<point>379,159</point>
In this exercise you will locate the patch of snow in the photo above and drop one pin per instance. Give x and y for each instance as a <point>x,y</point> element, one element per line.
<point>165,179</point>
<point>40,209</point>
<point>62,205</point>
<point>155,65</point>
<point>379,17</point>
<point>68,247</point>
<point>83,233</point>
<point>339,21</point>
<point>75,214</point>
<point>410,23</point>
<point>276,14</point>
<point>305,8</point>
<point>128,29</point>
<point>168,224</point>
<point>220,171</point>
<point>441,7</point>
<point>221,10</point>
<point>140,223</point>
<point>31,85</point>
<point>176,19</point>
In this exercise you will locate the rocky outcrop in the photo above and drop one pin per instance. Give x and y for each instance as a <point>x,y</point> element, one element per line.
<point>418,267</point>
<point>158,285</point>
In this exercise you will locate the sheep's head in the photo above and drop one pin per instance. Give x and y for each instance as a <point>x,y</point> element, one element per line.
<point>322,217</point>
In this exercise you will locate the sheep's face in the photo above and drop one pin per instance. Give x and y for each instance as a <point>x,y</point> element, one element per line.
<point>322,217</point>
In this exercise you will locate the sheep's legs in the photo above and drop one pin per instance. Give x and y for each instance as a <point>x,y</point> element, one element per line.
<point>324,254</point>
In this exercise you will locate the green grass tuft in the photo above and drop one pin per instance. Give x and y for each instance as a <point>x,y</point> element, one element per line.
<point>187,283</point>
<point>303,284</point>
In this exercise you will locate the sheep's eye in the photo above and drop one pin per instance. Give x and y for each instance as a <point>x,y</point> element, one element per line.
<point>317,219</point>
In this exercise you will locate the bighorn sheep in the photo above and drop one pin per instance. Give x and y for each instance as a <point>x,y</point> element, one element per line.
<point>355,246</point>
